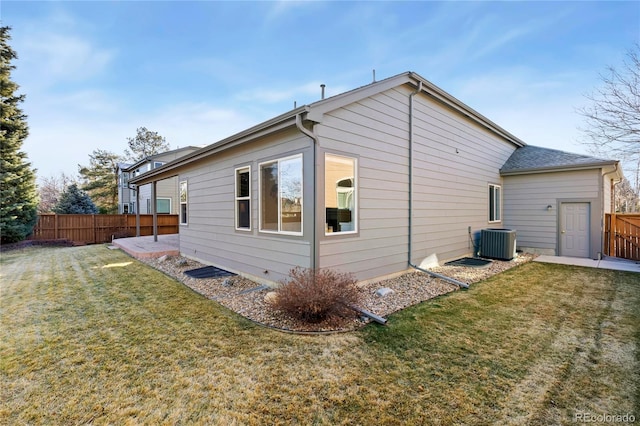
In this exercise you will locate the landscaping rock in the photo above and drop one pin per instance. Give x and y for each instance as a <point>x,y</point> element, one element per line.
<point>384,291</point>
<point>271,297</point>
<point>239,294</point>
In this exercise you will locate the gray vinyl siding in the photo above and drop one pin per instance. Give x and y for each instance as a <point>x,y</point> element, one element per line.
<point>144,195</point>
<point>210,235</point>
<point>450,187</point>
<point>526,198</point>
<point>167,188</point>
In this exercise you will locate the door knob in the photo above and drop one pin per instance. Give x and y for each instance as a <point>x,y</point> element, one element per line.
<point>564,232</point>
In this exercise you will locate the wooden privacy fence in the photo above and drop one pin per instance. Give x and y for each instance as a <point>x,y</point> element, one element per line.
<point>622,235</point>
<point>99,228</point>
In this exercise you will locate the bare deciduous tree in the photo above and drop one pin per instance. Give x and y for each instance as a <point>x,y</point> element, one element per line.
<point>613,117</point>
<point>50,190</point>
<point>626,200</point>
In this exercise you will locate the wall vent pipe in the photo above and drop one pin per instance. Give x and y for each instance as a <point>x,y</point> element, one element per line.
<point>322,86</point>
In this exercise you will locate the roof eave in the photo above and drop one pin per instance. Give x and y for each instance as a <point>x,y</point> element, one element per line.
<point>535,170</point>
<point>319,108</point>
<point>170,169</point>
<point>456,104</point>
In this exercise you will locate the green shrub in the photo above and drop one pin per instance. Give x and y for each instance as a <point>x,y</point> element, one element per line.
<point>317,295</point>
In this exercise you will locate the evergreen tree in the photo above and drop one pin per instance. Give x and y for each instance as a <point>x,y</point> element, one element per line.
<point>100,180</point>
<point>18,196</point>
<point>75,201</point>
<point>145,144</point>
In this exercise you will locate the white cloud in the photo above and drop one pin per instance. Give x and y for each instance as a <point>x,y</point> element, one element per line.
<point>196,123</point>
<point>285,8</point>
<point>302,94</point>
<point>58,48</point>
<point>65,57</point>
<point>63,138</point>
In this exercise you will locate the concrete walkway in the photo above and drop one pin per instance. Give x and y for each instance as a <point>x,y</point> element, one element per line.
<point>606,263</point>
<point>145,247</point>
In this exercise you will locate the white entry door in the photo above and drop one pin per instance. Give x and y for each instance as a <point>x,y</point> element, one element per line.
<point>574,229</point>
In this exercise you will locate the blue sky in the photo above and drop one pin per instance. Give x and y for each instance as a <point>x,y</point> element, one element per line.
<point>197,72</point>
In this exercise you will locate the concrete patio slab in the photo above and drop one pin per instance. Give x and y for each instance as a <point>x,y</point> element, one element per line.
<point>607,263</point>
<point>146,247</point>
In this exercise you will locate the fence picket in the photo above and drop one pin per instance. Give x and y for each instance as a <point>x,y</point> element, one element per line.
<point>99,228</point>
<point>622,236</point>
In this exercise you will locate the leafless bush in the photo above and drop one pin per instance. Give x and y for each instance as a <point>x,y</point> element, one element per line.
<point>317,295</point>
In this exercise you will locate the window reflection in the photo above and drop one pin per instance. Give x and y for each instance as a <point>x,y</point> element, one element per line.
<point>340,194</point>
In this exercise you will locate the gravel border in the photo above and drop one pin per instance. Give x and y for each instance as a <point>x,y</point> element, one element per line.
<point>247,297</point>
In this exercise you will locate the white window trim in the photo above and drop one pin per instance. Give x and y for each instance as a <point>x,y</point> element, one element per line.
<point>497,206</point>
<point>235,175</point>
<point>355,201</point>
<point>280,231</point>
<point>183,220</point>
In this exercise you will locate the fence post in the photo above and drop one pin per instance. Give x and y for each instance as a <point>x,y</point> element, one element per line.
<point>55,226</point>
<point>612,235</point>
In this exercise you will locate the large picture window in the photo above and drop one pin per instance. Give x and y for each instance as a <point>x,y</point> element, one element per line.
<point>183,203</point>
<point>340,195</point>
<point>281,195</point>
<point>163,205</point>
<point>243,198</point>
<point>495,203</point>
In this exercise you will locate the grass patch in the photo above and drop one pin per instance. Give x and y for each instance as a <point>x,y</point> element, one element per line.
<point>89,335</point>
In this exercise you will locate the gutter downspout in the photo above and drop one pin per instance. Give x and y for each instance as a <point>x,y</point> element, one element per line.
<point>614,182</point>
<point>612,205</point>
<point>137,211</point>
<point>314,243</point>
<point>410,248</point>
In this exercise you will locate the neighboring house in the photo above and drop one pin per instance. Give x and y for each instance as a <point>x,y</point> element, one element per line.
<point>374,180</point>
<point>167,190</point>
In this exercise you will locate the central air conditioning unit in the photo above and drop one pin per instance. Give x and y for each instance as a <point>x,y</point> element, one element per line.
<point>498,243</point>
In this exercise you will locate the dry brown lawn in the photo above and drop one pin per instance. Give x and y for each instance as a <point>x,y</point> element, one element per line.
<point>90,336</point>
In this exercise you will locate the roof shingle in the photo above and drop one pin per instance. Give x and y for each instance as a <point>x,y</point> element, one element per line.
<point>535,158</point>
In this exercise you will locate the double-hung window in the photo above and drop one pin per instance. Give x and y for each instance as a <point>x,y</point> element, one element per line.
<point>495,203</point>
<point>243,199</point>
<point>183,203</point>
<point>281,195</point>
<point>340,194</point>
